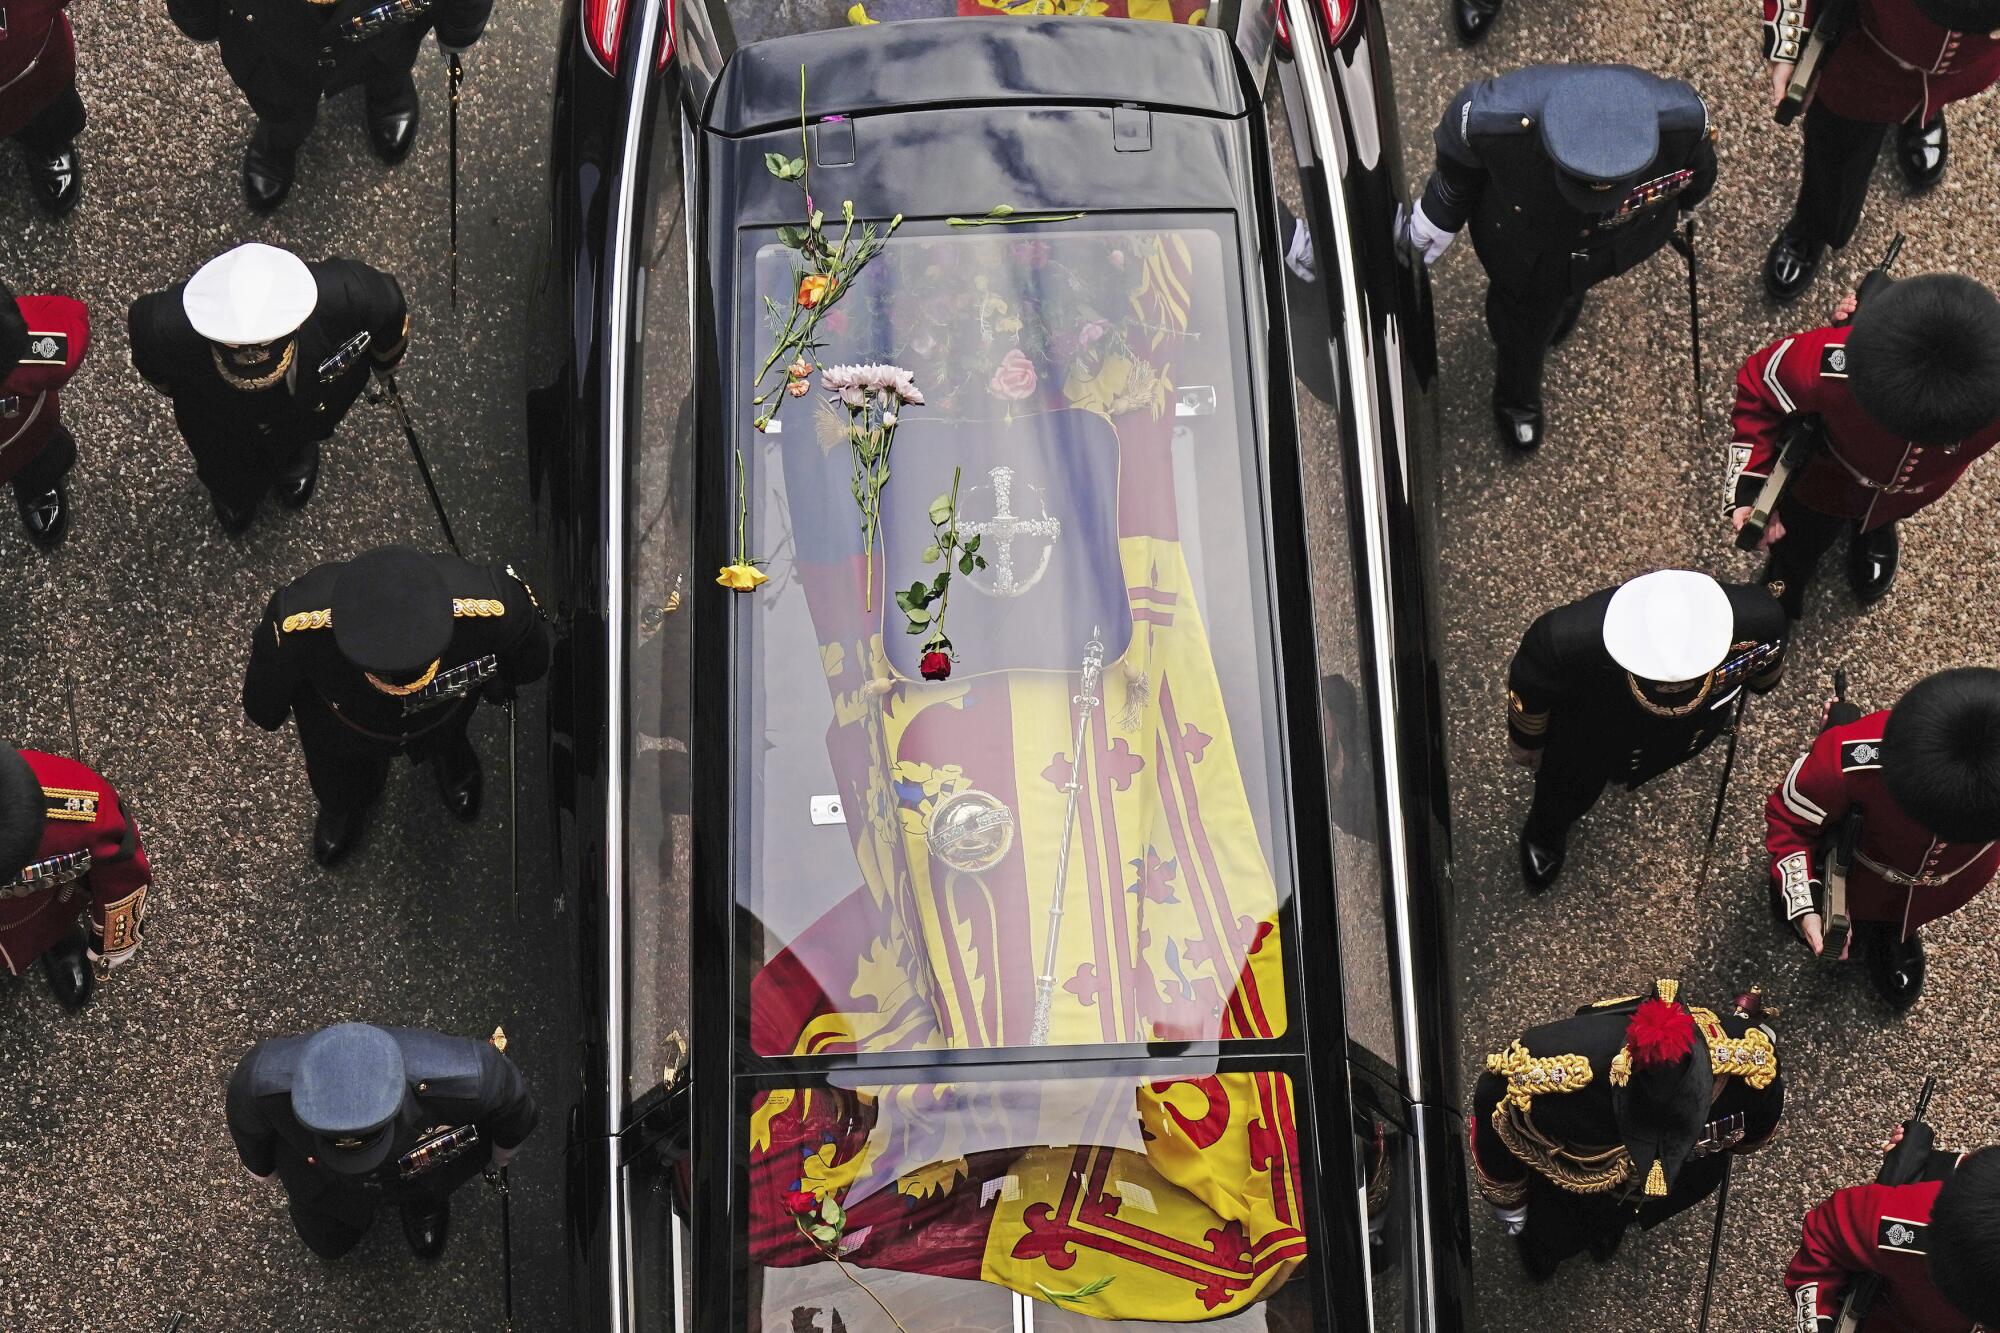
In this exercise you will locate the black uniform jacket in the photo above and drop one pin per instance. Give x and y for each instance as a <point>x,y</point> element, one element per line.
<point>1565,693</point>
<point>284,54</point>
<point>1493,171</point>
<point>1563,1073</point>
<point>218,417</point>
<point>453,1081</point>
<point>497,635</point>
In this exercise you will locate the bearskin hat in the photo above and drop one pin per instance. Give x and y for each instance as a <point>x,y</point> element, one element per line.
<point>13,330</point>
<point>21,812</point>
<point>1964,1253</point>
<point>1924,358</point>
<point>1980,16</point>
<point>1941,754</point>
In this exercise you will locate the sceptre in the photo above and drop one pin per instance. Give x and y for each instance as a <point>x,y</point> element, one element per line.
<point>1086,701</point>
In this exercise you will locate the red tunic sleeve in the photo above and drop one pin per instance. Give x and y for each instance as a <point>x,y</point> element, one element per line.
<point>119,878</point>
<point>1812,796</point>
<point>1776,382</point>
<point>1836,1243</point>
<point>1786,24</point>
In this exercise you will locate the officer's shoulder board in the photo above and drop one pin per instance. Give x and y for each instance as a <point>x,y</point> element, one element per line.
<point>1833,361</point>
<point>1615,1002</point>
<point>46,349</point>
<point>70,805</point>
<point>1856,756</point>
<point>1901,1234</point>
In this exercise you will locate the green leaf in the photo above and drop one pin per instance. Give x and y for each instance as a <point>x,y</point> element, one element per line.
<point>1083,1292</point>
<point>1000,211</point>
<point>931,553</point>
<point>965,563</point>
<point>941,510</point>
<point>918,627</point>
<point>919,614</point>
<point>831,1210</point>
<point>818,218</point>
<point>793,237</point>
<point>826,1235</point>
<point>778,165</point>
<point>979,562</point>
<point>940,583</point>
<point>971,546</point>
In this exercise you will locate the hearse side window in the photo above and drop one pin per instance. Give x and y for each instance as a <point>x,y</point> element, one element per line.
<point>1346,713</point>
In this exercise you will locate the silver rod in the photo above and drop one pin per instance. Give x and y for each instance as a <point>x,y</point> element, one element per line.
<point>1086,701</point>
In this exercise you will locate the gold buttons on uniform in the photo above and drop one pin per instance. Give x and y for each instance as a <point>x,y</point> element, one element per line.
<point>423,1087</point>
<point>1525,122</point>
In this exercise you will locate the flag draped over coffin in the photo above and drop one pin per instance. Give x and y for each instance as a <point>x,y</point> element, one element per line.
<point>1169,908</point>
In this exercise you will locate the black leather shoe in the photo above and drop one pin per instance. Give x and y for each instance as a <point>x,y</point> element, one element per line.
<point>1542,859</point>
<point>1896,967</point>
<point>46,516</point>
<point>1519,424</point>
<point>459,783</point>
<point>391,133</point>
<point>1871,563</point>
<point>235,522</point>
<point>296,488</point>
<point>1473,17</point>
<point>1539,1270</point>
<point>267,173</point>
<point>427,1226</point>
<point>334,834</point>
<point>69,973</point>
<point>1921,152</point>
<point>1791,263</point>
<point>57,179</point>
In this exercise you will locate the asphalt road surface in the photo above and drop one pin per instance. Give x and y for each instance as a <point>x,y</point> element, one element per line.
<point>124,1204</point>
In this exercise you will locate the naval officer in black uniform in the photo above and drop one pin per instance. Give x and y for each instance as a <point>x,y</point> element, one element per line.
<point>1569,174</point>
<point>285,55</point>
<point>263,354</point>
<point>356,1116</point>
<point>1626,683</point>
<point>387,654</point>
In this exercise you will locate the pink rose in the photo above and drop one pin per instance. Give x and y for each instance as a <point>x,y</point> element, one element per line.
<point>1015,377</point>
<point>1091,332</point>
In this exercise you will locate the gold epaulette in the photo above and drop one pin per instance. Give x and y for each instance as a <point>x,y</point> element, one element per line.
<point>1751,1057</point>
<point>72,805</point>
<point>1530,1076</point>
<point>299,620</point>
<point>1528,724</point>
<point>477,606</point>
<point>1613,1002</point>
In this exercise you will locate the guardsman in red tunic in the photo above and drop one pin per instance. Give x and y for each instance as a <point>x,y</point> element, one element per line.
<point>1907,396</point>
<point>76,848</point>
<point>1926,777</point>
<point>1899,64</point>
<point>43,338</point>
<point>1935,1245</point>
<point>39,106</point>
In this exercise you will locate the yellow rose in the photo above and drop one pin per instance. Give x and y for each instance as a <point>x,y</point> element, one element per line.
<point>812,290</point>
<point>741,578</point>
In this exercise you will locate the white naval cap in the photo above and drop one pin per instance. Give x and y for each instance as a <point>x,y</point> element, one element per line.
<point>1670,625</point>
<point>253,294</point>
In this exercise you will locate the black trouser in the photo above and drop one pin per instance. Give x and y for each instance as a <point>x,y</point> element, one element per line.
<point>1524,322</point>
<point>239,478</point>
<point>1839,158</point>
<point>1565,789</point>
<point>55,126</point>
<point>1795,557</point>
<point>39,475</point>
<point>333,1224</point>
<point>388,86</point>
<point>347,770</point>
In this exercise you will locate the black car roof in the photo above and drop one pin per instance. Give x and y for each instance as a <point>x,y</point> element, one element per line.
<point>977,61</point>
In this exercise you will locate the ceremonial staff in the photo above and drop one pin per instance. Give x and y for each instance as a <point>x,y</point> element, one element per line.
<point>457,77</point>
<point>1683,241</point>
<point>1086,702</point>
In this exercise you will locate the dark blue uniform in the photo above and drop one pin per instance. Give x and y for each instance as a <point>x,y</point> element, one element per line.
<point>451,1082</point>
<point>1551,214</point>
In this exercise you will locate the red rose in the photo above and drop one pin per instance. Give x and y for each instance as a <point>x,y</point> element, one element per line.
<point>1014,378</point>
<point>935,666</point>
<point>803,1202</point>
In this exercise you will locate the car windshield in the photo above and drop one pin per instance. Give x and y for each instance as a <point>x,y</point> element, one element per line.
<point>1080,836</point>
<point>1049,1206</point>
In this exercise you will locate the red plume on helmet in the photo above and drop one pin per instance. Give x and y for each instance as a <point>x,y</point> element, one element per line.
<point>1660,1034</point>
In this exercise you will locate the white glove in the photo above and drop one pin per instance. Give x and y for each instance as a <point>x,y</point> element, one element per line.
<point>1426,237</point>
<point>102,963</point>
<point>1515,1219</point>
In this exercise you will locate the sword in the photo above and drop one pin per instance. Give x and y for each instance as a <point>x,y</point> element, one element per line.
<point>1715,1240</point>
<point>1685,244</point>
<point>1722,787</point>
<point>513,809</point>
<point>395,397</point>
<point>457,77</point>
<point>497,1177</point>
<point>1086,702</point>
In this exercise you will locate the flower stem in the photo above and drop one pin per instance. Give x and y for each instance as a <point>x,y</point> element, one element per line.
<point>742,513</point>
<point>950,555</point>
<point>805,153</point>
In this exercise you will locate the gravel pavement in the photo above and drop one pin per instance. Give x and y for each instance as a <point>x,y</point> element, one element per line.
<point>1622,487</point>
<point>124,1202</point>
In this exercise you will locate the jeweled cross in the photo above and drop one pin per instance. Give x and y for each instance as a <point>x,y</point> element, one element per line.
<point>997,536</point>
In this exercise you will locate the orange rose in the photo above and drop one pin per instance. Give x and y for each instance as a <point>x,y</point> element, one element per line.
<point>812,290</point>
